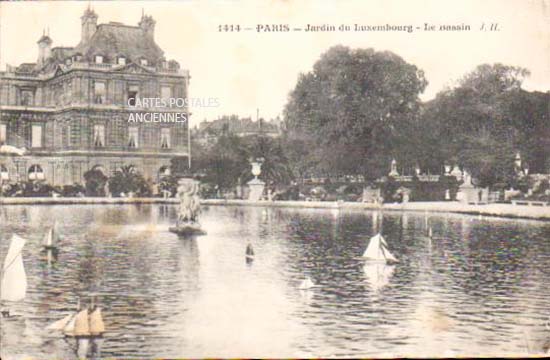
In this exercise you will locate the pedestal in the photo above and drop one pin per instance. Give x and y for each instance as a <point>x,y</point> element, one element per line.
<point>256,187</point>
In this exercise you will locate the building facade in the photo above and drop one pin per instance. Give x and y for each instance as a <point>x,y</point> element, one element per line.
<point>208,132</point>
<point>69,112</point>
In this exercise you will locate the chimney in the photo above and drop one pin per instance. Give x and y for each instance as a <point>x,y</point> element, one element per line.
<point>44,48</point>
<point>89,25</point>
<point>147,24</point>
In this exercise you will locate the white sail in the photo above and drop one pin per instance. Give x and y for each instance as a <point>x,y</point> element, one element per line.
<point>377,250</point>
<point>61,324</point>
<point>373,251</point>
<point>14,278</point>
<point>82,323</point>
<point>69,328</point>
<point>97,327</point>
<point>48,238</point>
<point>388,255</point>
<point>378,275</point>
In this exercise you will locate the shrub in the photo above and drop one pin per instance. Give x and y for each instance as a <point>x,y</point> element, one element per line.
<point>95,182</point>
<point>127,180</point>
<point>33,189</point>
<point>73,190</point>
<point>168,183</point>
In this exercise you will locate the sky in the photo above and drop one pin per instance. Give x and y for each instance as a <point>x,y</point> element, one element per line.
<point>248,70</point>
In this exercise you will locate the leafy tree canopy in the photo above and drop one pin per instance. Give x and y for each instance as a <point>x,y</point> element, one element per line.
<point>355,106</point>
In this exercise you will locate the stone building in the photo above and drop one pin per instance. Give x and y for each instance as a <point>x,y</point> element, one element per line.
<point>207,132</point>
<point>69,111</point>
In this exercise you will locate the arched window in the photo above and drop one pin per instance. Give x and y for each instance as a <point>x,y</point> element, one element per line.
<point>4,173</point>
<point>36,172</point>
<point>121,60</point>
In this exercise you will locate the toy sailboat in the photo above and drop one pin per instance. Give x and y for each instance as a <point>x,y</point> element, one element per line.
<point>249,252</point>
<point>51,237</point>
<point>13,285</point>
<point>377,250</point>
<point>81,323</point>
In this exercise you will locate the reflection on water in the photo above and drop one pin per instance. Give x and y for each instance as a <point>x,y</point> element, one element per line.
<point>475,286</point>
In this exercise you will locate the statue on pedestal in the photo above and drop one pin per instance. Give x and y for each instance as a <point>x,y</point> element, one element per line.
<point>189,208</point>
<point>393,171</point>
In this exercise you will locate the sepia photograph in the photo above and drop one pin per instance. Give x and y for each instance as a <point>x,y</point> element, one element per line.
<point>274,179</point>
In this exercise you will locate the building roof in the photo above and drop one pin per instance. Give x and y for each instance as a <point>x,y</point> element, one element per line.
<point>26,68</point>
<point>237,125</point>
<point>115,39</point>
<point>61,53</point>
<point>111,40</point>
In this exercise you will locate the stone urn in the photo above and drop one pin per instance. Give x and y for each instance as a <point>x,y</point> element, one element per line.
<point>256,185</point>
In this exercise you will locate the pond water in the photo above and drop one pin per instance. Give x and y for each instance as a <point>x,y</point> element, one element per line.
<point>478,286</point>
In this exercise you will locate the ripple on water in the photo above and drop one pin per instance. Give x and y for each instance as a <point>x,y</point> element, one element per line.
<point>475,288</point>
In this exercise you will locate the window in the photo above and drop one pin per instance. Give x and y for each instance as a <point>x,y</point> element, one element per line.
<point>69,91</point>
<point>99,92</point>
<point>122,60</point>
<point>3,134</point>
<point>36,136</point>
<point>133,92</point>
<point>68,61</point>
<point>133,137</point>
<point>149,136</point>
<point>165,92</point>
<point>165,138</point>
<point>4,174</point>
<point>26,97</point>
<point>36,172</point>
<point>99,135</point>
<point>99,59</point>
<point>143,62</point>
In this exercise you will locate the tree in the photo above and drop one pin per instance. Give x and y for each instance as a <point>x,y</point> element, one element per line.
<point>128,180</point>
<point>355,108</point>
<point>481,124</point>
<point>224,162</point>
<point>275,166</point>
<point>95,182</point>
